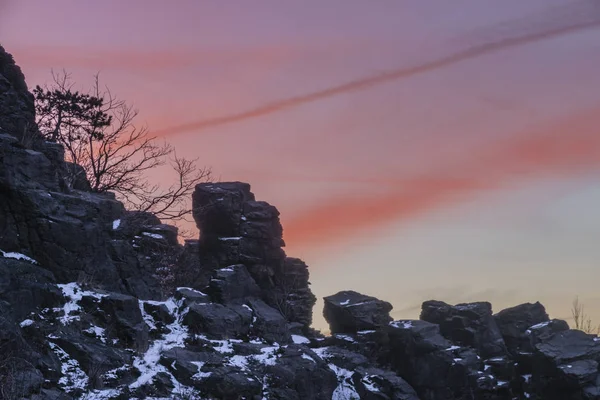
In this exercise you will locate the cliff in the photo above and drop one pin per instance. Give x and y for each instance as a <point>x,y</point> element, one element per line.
<point>97,302</point>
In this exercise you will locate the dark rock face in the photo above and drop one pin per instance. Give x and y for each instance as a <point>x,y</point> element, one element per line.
<point>237,229</point>
<point>468,325</point>
<point>514,322</point>
<point>350,312</point>
<point>17,112</point>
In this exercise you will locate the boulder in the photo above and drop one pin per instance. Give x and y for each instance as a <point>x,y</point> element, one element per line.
<point>218,321</point>
<point>232,284</point>
<point>268,323</point>
<point>191,296</point>
<point>470,324</point>
<point>350,312</point>
<point>513,324</point>
<point>123,313</point>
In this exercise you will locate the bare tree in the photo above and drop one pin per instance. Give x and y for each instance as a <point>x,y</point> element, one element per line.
<point>98,133</point>
<point>581,320</point>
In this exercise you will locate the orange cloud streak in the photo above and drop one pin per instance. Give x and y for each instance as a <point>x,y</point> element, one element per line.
<point>563,148</point>
<point>581,22</point>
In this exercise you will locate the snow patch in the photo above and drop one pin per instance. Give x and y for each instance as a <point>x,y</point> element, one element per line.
<point>300,339</point>
<point>345,302</point>
<point>148,364</point>
<point>17,256</point>
<point>369,384</point>
<point>402,324</point>
<point>153,235</point>
<point>200,375</point>
<point>72,376</point>
<point>225,239</point>
<point>345,390</point>
<point>540,325</point>
<point>116,224</point>
<point>347,338</point>
<point>307,357</point>
<point>26,322</point>
<point>74,293</point>
<point>97,331</point>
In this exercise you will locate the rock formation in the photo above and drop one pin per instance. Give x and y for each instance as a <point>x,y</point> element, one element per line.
<point>100,303</point>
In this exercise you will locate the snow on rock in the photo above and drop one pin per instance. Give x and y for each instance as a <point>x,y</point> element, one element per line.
<point>366,332</point>
<point>401,324</point>
<point>153,235</point>
<point>345,302</point>
<point>116,224</point>
<point>200,375</point>
<point>540,325</point>
<point>369,384</point>
<point>25,323</point>
<point>307,357</point>
<point>73,377</point>
<point>148,364</point>
<point>345,390</point>
<point>225,239</point>
<point>300,339</point>
<point>344,337</point>
<point>97,331</point>
<point>17,256</point>
<point>74,293</point>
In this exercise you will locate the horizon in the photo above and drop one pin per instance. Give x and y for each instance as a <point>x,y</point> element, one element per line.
<point>470,181</point>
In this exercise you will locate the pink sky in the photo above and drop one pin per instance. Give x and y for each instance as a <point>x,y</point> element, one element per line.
<point>463,180</point>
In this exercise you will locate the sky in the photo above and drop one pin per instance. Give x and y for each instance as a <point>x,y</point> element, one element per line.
<point>416,149</point>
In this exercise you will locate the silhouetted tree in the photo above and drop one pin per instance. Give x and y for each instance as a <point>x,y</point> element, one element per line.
<point>582,321</point>
<point>98,133</point>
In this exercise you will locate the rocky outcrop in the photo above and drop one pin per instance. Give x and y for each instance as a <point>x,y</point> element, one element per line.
<point>466,352</point>
<point>237,229</point>
<point>17,112</point>
<point>100,303</point>
<point>350,312</point>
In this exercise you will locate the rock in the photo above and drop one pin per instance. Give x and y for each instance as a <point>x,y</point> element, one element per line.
<point>301,375</point>
<point>228,384</point>
<point>469,324</point>
<point>27,287</point>
<point>184,364</point>
<point>17,111</point>
<point>159,312</point>
<point>420,354</point>
<point>543,331</point>
<point>564,363</point>
<point>218,207</point>
<point>191,296</point>
<point>218,321</point>
<point>268,323</point>
<point>124,314</point>
<point>237,229</point>
<point>233,284</point>
<point>513,324</point>
<point>350,312</point>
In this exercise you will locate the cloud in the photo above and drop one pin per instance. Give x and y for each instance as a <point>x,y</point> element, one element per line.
<point>564,148</point>
<point>576,23</point>
<point>157,59</point>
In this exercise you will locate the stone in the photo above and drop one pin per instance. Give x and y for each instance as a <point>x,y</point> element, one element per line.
<point>218,321</point>
<point>513,324</point>
<point>350,312</point>
<point>470,324</point>
<point>232,284</point>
